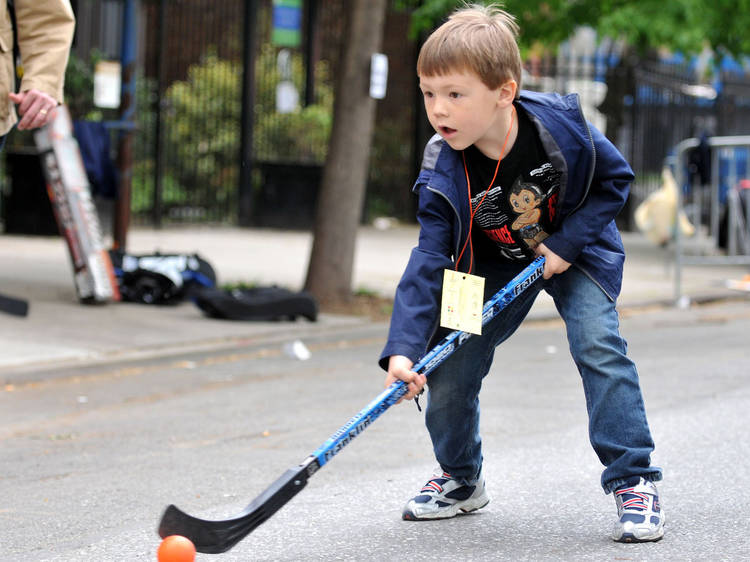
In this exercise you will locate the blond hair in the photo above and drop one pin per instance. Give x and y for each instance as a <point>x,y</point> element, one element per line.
<point>481,39</point>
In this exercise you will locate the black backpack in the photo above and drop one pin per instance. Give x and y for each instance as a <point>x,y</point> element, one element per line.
<point>161,278</point>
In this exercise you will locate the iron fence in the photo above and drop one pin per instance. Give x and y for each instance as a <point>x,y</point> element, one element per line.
<point>192,55</point>
<point>646,107</point>
<point>189,110</point>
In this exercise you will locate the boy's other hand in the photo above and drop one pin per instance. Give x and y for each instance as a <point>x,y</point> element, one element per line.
<point>399,368</point>
<point>553,264</point>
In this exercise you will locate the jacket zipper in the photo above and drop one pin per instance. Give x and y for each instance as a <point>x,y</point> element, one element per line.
<point>593,156</point>
<point>589,180</point>
<point>458,216</point>
<point>455,252</point>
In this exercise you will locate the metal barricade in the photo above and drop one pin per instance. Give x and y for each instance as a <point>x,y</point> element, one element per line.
<point>730,179</point>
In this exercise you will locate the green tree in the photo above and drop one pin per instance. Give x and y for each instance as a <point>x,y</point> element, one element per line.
<point>684,25</point>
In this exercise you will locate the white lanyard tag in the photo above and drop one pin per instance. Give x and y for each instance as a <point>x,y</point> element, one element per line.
<point>462,302</point>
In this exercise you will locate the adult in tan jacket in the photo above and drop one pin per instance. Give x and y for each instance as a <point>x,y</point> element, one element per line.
<point>44,35</point>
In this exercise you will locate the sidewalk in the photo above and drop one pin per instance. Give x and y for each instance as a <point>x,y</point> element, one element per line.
<point>60,331</point>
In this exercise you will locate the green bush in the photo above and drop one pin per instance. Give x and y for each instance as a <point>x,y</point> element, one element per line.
<point>201,127</point>
<point>301,136</point>
<point>203,124</point>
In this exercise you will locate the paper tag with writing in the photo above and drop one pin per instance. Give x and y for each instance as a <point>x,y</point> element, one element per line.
<point>462,302</point>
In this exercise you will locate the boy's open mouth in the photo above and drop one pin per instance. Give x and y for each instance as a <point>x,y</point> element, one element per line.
<point>447,130</point>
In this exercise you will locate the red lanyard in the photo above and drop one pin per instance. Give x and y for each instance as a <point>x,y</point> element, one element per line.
<point>468,189</point>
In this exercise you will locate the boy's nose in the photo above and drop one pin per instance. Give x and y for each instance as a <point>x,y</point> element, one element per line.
<point>439,108</point>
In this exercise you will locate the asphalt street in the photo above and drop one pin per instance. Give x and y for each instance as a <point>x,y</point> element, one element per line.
<point>91,454</point>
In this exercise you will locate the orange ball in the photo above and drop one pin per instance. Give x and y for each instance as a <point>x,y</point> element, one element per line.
<point>175,548</point>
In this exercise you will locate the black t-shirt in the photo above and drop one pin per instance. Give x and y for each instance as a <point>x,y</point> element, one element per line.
<point>518,212</point>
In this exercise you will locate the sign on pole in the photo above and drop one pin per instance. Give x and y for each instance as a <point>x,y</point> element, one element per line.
<point>287,23</point>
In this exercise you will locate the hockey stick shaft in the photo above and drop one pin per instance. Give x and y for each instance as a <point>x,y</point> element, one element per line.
<point>221,535</point>
<point>444,349</point>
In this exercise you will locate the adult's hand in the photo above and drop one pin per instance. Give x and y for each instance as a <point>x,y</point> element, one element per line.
<point>36,108</point>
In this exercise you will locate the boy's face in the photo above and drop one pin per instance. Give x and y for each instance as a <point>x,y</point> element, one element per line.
<point>525,200</point>
<point>464,111</point>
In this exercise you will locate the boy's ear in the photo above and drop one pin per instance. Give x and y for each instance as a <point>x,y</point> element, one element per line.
<point>507,92</point>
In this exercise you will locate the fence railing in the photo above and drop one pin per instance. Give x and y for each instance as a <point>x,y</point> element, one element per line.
<point>719,209</point>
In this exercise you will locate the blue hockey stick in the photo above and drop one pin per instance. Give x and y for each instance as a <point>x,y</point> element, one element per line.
<point>219,536</point>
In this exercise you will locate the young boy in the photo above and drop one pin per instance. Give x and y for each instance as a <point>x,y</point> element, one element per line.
<point>510,175</point>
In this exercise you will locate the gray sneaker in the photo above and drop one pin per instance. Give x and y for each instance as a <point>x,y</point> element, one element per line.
<point>443,497</point>
<point>639,514</point>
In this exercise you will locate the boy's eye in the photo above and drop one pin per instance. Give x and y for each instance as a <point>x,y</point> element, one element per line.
<point>427,94</point>
<point>454,95</point>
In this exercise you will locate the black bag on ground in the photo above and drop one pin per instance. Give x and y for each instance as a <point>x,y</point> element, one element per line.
<point>259,303</point>
<point>161,278</point>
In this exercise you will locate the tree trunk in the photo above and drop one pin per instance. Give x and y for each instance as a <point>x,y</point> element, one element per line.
<point>342,192</point>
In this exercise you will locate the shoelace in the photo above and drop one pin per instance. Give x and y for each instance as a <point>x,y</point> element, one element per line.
<point>436,483</point>
<point>638,500</point>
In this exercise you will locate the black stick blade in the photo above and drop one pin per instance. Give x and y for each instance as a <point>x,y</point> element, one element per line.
<point>213,537</point>
<point>14,306</point>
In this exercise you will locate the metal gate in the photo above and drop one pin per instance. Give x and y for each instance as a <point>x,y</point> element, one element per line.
<point>668,106</point>
<point>190,96</point>
<point>188,111</point>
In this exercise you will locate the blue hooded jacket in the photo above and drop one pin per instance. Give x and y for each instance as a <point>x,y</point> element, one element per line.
<point>594,184</point>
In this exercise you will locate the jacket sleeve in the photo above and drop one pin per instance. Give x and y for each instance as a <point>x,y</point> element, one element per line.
<point>606,197</point>
<point>44,34</point>
<point>416,304</point>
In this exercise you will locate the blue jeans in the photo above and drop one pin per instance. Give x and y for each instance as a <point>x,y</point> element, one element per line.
<point>618,429</point>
